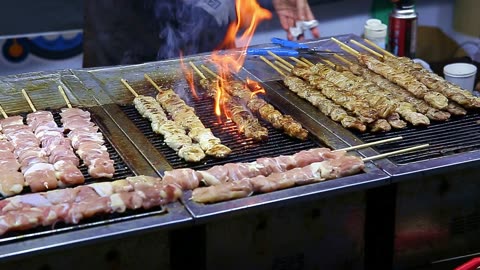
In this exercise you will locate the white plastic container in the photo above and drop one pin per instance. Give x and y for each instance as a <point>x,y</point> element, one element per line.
<point>376,31</point>
<point>461,74</point>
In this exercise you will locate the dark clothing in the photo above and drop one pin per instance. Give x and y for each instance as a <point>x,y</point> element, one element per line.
<point>136,31</point>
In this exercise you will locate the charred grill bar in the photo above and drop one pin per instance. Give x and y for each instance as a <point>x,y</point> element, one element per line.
<point>136,149</point>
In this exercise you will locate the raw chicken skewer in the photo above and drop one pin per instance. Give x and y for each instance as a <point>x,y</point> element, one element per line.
<point>11,180</point>
<point>85,139</point>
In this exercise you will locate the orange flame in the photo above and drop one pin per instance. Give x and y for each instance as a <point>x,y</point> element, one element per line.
<point>188,76</point>
<point>255,87</point>
<point>249,15</point>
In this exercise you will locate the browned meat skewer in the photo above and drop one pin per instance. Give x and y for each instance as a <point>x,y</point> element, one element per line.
<point>186,117</point>
<point>381,104</point>
<point>405,80</point>
<point>433,81</point>
<point>358,107</point>
<point>266,111</point>
<point>419,104</point>
<point>406,110</point>
<point>245,121</point>
<point>326,106</point>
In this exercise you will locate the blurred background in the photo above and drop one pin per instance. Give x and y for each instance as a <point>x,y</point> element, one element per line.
<point>47,35</point>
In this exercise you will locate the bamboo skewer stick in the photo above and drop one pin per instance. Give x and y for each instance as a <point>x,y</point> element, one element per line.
<point>298,61</point>
<point>307,61</point>
<point>2,111</point>
<point>366,48</point>
<point>64,95</point>
<point>285,62</point>
<point>346,48</point>
<point>283,66</point>
<point>401,151</point>
<point>371,43</point>
<point>30,103</point>
<point>365,145</point>
<point>150,80</point>
<point>129,87</point>
<point>197,71</point>
<point>343,59</point>
<point>272,66</point>
<point>209,71</point>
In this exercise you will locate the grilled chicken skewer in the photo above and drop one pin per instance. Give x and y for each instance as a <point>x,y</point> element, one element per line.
<point>11,180</point>
<point>243,119</point>
<point>358,107</point>
<point>403,109</point>
<point>72,205</point>
<point>174,135</point>
<point>399,92</point>
<point>265,110</point>
<point>406,80</point>
<point>186,117</point>
<point>304,90</point>
<point>363,90</point>
<point>430,79</point>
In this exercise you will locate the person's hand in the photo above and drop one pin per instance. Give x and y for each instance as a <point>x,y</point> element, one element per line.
<point>290,11</point>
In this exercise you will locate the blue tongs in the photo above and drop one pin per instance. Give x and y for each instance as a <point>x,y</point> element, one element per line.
<point>288,48</point>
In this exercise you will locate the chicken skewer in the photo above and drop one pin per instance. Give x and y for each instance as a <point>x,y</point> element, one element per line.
<point>335,168</point>
<point>190,179</point>
<point>380,99</point>
<point>403,79</point>
<point>245,121</point>
<point>39,175</point>
<point>430,79</point>
<point>451,106</point>
<point>400,93</point>
<point>72,205</point>
<point>186,117</point>
<point>11,180</point>
<point>86,141</point>
<point>317,99</point>
<point>360,108</point>
<point>265,110</point>
<point>403,109</point>
<point>174,134</point>
<point>56,147</point>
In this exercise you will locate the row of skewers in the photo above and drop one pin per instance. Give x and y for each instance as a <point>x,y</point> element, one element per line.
<point>221,183</point>
<point>43,156</point>
<point>184,132</point>
<point>373,94</point>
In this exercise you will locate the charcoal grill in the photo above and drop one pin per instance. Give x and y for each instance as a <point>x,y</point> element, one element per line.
<point>117,102</point>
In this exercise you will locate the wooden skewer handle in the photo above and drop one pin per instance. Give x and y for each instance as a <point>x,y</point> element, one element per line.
<point>365,145</point>
<point>401,151</point>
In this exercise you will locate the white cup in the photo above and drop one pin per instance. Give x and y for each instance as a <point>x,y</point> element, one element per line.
<point>461,74</point>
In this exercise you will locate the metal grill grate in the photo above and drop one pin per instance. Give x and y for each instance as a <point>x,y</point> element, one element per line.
<point>459,134</point>
<point>243,149</point>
